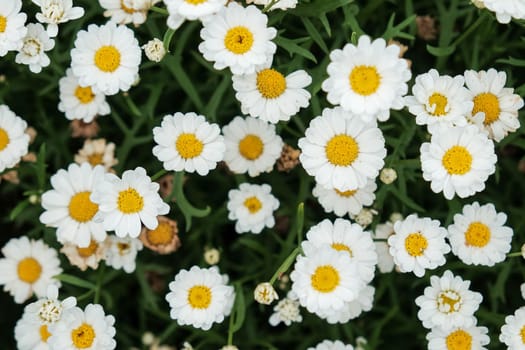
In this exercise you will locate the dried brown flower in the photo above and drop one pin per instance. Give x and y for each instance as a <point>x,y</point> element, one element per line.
<point>164,239</point>
<point>85,130</point>
<point>289,158</point>
<point>426,27</point>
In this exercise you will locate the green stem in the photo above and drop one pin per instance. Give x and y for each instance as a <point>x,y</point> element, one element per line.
<point>159,10</point>
<point>167,332</point>
<point>286,264</point>
<point>515,254</point>
<point>269,6</point>
<point>132,106</point>
<point>230,331</point>
<point>159,174</point>
<point>470,29</point>
<point>300,223</point>
<point>96,298</point>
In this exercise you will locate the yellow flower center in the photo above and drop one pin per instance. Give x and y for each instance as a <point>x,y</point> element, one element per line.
<point>270,83</point>
<point>195,2</point>
<point>457,160</point>
<point>325,279</point>
<point>346,194</point>
<point>489,104</point>
<point>365,80</point>
<point>415,244</point>
<point>163,234</point>
<point>95,159</point>
<point>29,270</point>
<point>522,334</point>
<point>251,147</point>
<point>130,201</point>
<point>253,204</point>
<point>448,301</point>
<point>342,247</point>
<point>342,150</point>
<point>123,248</point>
<point>3,23</point>
<point>477,235</point>
<point>81,208</point>
<point>459,340</point>
<point>238,40</point>
<point>44,333</point>
<point>199,297</point>
<point>4,139</point>
<point>84,94</point>
<point>89,250</point>
<point>107,59</point>
<point>83,336</point>
<point>189,146</point>
<point>439,103</point>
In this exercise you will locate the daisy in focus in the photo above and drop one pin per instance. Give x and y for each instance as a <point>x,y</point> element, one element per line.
<point>127,11</point>
<point>14,141</point>
<point>496,107</point>
<point>368,79</point>
<point>188,142</point>
<point>53,12</point>
<point>238,38</point>
<point>34,47</point>
<point>505,10</point>
<point>332,345</point>
<point>458,161</point>
<point>473,338</point>
<point>12,26</point>
<point>349,202</point>
<point>97,152</point>
<point>252,146</point>
<point>270,96</point>
<point>512,332</point>
<point>252,207</point>
<point>121,252</point>
<point>83,258</point>
<point>183,10</point>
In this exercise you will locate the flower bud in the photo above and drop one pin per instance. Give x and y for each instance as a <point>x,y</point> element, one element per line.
<point>154,50</point>
<point>264,293</point>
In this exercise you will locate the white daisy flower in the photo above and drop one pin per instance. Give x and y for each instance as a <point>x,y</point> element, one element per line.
<point>344,236</point>
<point>385,260</point>
<point>28,267</point>
<point>513,331</point>
<point>368,79</point>
<point>84,329</point>
<point>125,203</point>
<point>200,297</point>
<point>448,303</point>
<point>341,150</point>
<point>31,334</point>
<point>68,206</point>
<point>506,9</point>
<point>97,152</point>
<point>79,102</point>
<point>418,244</point>
<point>349,202</point>
<point>286,311</point>
<point>188,142</point>
<point>237,37</point>
<point>458,160</point>
<point>181,10</point>
<point>270,95</point>
<point>14,141</point>
<point>279,4</point>
<point>252,207</point>
<point>33,51</point>
<point>252,146</point>
<point>12,29</point>
<point>478,235</point>
<point>83,258</point>
<point>106,57</point>
<point>439,99</point>
<point>352,309</point>
<point>496,107</point>
<point>332,345</point>
<point>121,253</point>
<point>473,338</point>
<point>54,12</point>
<point>127,11</point>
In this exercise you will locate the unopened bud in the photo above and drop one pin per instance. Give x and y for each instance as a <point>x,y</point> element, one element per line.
<point>265,294</point>
<point>154,50</point>
<point>396,217</point>
<point>212,256</point>
<point>365,217</point>
<point>388,175</point>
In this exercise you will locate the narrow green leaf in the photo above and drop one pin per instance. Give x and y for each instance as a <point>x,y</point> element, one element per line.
<point>18,209</point>
<point>166,41</point>
<point>314,34</point>
<point>41,167</point>
<point>175,66</point>
<point>326,24</point>
<point>217,98</point>
<point>406,200</point>
<point>239,308</point>
<point>314,8</point>
<point>512,61</point>
<point>75,281</point>
<point>441,51</point>
<point>187,209</point>
<point>293,48</point>
<point>300,222</point>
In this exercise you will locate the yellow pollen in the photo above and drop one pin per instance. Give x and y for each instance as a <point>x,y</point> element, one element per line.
<point>439,103</point>
<point>415,244</point>
<point>347,194</point>
<point>83,336</point>
<point>522,334</point>
<point>163,234</point>
<point>238,40</point>
<point>195,2</point>
<point>448,301</point>
<point>342,247</point>
<point>459,340</point>
<point>29,270</point>
<point>477,235</point>
<point>270,83</point>
<point>199,297</point>
<point>489,104</point>
<point>3,23</point>
<point>342,150</point>
<point>457,160</point>
<point>364,80</point>
<point>89,250</point>
<point>4,139</point>
<point>95,159</point>
<point>123,248</point>
<point>251,147</point>
<point>325,279</point>
<point>84,94</point>
<point>126,9</point>
<point>81,208</point>
<point>253,204</point>
<point>44,333</point>
<point>189,146</point>
<point>130,201</point>
<point>107,59</point>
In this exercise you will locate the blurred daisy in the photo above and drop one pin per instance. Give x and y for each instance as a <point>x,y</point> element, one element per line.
<point>188,142</point>
<point>506,9</point>
<point>54,12</point>
<point>495,107</point>
<point>200,297</point>
<point>237,37</point>
<point>439,99</point>
<point>385,260</point>
<point>349,202</point>
<point>97,152</point>
<point>12,29</point>
<point>127,11</point>
<point>181,10</point>
<point>125,203</point>
<point>368,79</point>
<point>418,244</point>
<point>28,267</point>
<point>513,331</point>
<point>473,338</point>
<point>252,207</point>
<point>341,150</point>
<point>79,102</point>
<point>33,51</point>
<point>121,253</point>
<point>106,58</point>
<point>252,146</point>
<point>332,345</point>
<point>68,206</point>
<point>458,160</point>
<point>286,311</point>
<point>83,258</point>
<point>351,309</point>
<point>30,334</point>
<point>14,140</point>
<point>270,95</point>
<point>478,235</point>
<point>280,4</point>
<point>164,239</point>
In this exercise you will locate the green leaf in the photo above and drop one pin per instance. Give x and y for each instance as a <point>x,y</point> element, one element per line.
<point>41,167</point>
<point>75,281</point>
<point>217,98</point>
<point>174,65</point>
<point>187,209</point>
<point>441,51</point>
<point>293,48</point>
<point>314,34</point>
<point>239,312</point>
<point>315,8</point>
<point>512,61</point>
<point>166,41</point>
<point>406,200</point>
<point>18,209</point>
